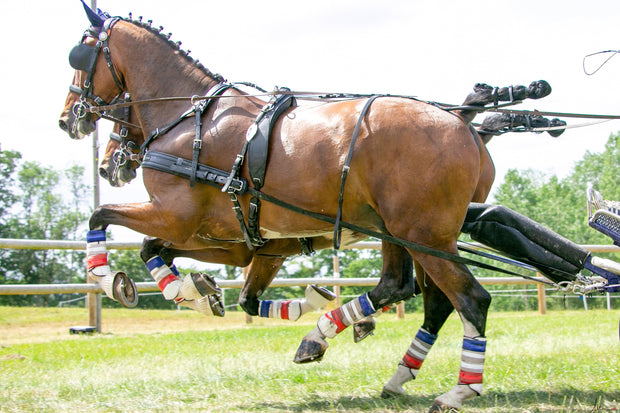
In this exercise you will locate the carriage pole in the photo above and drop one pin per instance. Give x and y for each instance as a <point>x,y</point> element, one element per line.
<point>93,300</point>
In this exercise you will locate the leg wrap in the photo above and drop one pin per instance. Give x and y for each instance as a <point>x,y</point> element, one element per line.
<point>97,254</point>
<point>97,261</point>
<point>169,283</point>
<point>293,309</point>
<point>285,310</point>
<point>409,366</point>
<point>472,363</point>
<point>337,320</point>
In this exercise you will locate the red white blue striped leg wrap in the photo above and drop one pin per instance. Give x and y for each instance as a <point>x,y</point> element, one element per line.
<point>335,321</point>
<point>169,283</point>
<point>97,254</point>
<point>472,363</point>
<point>409,367</point>
<point>292,309</point>
<point>97,261</point>
<point>470,376</point>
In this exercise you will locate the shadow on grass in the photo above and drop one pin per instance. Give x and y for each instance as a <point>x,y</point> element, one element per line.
<point>526,401</point>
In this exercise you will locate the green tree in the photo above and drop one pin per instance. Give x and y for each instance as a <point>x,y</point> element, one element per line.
<point>39,211</point>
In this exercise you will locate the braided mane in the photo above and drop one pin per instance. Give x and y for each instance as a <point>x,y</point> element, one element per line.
<point>175,45</point>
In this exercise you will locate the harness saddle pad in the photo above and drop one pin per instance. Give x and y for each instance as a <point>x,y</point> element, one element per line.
<point>258,148</point>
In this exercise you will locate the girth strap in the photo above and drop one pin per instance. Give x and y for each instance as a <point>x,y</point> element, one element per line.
<point>345,172</point>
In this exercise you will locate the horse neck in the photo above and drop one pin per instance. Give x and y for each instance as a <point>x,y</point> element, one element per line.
<point>151,69</point>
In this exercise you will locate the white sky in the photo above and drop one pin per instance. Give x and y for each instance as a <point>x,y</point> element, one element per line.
<point>435,50</point>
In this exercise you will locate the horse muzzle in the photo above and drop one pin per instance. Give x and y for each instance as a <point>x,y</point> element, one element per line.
<point>77,123</point>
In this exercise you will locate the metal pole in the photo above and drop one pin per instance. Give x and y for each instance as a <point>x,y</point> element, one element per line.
<point>93,300</point>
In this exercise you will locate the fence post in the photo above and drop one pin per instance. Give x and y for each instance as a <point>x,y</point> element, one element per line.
<point>542,298</point>
<point>245,271</point>
<point>336,265</point>
<point>400,310</point>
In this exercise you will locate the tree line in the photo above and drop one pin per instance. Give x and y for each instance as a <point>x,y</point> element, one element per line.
<point>39,202</point>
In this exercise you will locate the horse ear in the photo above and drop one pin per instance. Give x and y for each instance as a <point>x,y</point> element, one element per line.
<point>96,19</point>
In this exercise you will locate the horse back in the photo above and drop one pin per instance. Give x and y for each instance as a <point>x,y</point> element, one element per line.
<point>408,155</point>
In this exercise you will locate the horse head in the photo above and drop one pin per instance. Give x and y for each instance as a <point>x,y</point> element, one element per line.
<point>95,81</point>
<point>122,154</point>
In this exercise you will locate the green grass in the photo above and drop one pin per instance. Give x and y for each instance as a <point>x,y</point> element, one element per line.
<point>561,362</point>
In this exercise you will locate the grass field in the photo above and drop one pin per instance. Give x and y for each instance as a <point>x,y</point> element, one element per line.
<point>169,361</point>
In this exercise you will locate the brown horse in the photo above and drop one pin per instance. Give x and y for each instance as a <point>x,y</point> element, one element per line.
<point>414,169</point>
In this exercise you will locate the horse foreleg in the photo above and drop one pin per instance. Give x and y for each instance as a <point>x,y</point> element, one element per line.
<point>196,291</point>
<point>396,284</point>
<point>263,270</point>
<point>116,286</point>
<point>437,308</point>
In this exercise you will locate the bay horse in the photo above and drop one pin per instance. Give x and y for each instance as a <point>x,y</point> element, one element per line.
<point>413,171</point>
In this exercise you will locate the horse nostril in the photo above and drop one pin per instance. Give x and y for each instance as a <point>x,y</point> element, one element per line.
<point>63,125</point>
<point>103,173</point>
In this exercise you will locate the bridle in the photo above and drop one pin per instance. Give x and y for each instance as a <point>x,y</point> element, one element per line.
<point>83,57</point>
<point>128,150</point>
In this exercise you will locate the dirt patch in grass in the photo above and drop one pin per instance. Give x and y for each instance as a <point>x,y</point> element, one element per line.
<point>37,325</point>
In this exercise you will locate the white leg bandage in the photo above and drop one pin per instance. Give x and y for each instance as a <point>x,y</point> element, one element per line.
<point>293,309</point>
<point>168,282</point>
<point>409,366</point>
<point>335,321</point>
<point>97,261</point>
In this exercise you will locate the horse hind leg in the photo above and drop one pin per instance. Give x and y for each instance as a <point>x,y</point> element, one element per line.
<point>396,284</point>
<point>471,301</point>
<point>437,308</point>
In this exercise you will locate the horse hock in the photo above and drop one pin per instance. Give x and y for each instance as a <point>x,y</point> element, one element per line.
<point>196,291</point>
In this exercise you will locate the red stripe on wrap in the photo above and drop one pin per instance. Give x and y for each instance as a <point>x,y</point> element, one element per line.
<point>97,261</point>
<point>284,310</point>
<point>164,282</point>
<point>336,318</point>
<point>467,377</point>
<point>412,362</point>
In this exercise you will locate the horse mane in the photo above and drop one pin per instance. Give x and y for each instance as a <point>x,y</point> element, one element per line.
<point>174,45</point>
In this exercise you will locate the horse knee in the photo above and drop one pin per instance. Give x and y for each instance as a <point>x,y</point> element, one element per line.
<point>97,219</point>
<point>249,305</point>
<point>151,247</point>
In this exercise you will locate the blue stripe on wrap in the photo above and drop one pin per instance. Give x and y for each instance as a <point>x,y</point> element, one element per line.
<point>474,345</point>
<point>155,262</point>
<point>264,308</point>
<point>174,270</point>
<point>367,308</point>
<point>426,337</point>
<point>95,236</point>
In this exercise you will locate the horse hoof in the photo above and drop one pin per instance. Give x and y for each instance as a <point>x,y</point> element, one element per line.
<point>438,407</point>
<point>363,329</point>
<point>217,307</point>
<point>205,284</point>
<point>124,290</point>
<point>388,394</point>
<point>310,350</point>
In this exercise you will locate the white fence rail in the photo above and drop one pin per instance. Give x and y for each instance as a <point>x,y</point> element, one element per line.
<point>93,290</point>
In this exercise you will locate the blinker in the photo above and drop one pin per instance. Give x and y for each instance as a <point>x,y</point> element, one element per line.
<point>83,57</point>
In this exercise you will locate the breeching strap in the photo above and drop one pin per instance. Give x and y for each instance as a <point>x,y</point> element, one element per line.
<point>345,173</point>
